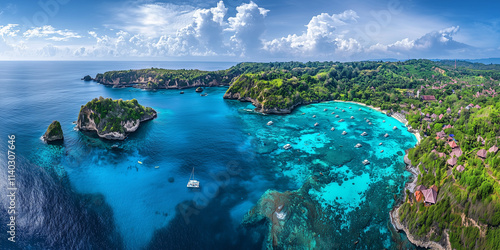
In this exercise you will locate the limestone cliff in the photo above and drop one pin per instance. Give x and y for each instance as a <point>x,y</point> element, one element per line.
<point>54,132</point>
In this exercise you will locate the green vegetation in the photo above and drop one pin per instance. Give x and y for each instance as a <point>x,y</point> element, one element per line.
<point>54,132</point>
<point>109,114</point>
<point>466,106</point>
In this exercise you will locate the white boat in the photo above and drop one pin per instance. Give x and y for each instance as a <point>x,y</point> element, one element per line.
<point>369,123</point>
<point>350,108</point>
<point>287,146</point>
<point>380,144</point>
<point>341,120</point>
<point>352,117</point>
<point>364,133</point>
<point>386,135</point>
<point>270,123</point>
<point>316,124</point>
<point>359,109</point>
<point>383,121</point>
<point>366,162</point>
<point>333,113</point>
<point>314,116</point>
<point>325,109</point>
<point>157,166</point>
<point>381,151</point>
<point>140,162</point>
<point>344,133</point>
<point>343,110</point>
<point>337,116</point>
<point>394,127</point>
<point>358,145</point>
<point>332,129</point>
<point>192,182</point>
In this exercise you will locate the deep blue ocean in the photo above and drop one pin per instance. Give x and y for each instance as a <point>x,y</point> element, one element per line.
<point>85,194</point>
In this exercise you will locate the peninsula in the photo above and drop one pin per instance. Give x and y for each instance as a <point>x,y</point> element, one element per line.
<point>113,119</point>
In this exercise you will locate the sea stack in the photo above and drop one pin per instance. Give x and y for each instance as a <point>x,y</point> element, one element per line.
<point>113,119</point>
<point>54,132</point>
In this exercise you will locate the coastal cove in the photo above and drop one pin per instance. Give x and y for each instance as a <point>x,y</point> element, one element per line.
<point>237,158</point>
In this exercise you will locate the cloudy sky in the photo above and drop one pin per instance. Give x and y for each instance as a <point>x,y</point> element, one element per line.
<point>258,30</point>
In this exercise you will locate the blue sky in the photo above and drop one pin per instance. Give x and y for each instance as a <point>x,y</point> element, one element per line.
<point>234,30</point>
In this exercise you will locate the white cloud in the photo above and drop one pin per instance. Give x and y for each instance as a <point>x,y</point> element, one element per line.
<point>50,33</point>
<point>154,19</point>
<point>248,26</point>
<point>325,34</point>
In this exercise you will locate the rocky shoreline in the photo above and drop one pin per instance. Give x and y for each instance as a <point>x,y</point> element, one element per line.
<point>394,213</point>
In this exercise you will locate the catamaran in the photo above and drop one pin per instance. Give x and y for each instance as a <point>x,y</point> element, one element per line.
<point>192,182</point>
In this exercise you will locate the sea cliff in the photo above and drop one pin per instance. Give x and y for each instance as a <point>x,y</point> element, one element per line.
<point>113,119</point>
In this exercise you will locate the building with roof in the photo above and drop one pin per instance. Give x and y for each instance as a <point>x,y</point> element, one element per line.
<point>430,196</point>
<point>453,144</point>
<point>452,161</point>
<point>420,187</point>
<point>441,134</point>
<point>460,168</point>
<point>456,152</point>
<point>419,196</point>
<point>493,149</point>
<point>482,153</point>
<point>428,98</point>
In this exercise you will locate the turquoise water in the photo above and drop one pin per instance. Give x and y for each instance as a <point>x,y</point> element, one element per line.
<point>85,193</point>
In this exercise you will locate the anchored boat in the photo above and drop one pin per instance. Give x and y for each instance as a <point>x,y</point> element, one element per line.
<point>192,182</point>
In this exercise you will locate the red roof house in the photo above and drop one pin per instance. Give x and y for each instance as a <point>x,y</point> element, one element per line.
<point>453,144</point>
<point>419,196</point>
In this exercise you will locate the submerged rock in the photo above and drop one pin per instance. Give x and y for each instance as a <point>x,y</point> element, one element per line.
<point>54,132</point>
<point>199,89</point>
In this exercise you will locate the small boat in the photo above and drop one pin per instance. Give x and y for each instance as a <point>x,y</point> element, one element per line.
<point>381,151</point>
<point>359,109</point>
<point>192,183</point>
<point>352,117</point>
<point>380,144</point>
<point>204,94</point>
<point>386,135</point>
<point>332,129</point>
<point>303,113</point>
<point>114,146</point>
<point>364,134</point>
<point>344,133</point>
<point>341,120</point>
<point>333,113</point>
<point>140,162</point>
<point>270,123</point>
<point>182,92</point>
<point>74,122</point>
<point>343,110</point>
<point>366,162</point>
<point>316,124</point>
<point>358,145</point>
<point>325,109</point>
<point>369,123</point>
<point>157,166</point>
<point>336,107</point>
<point>383,121</point>
<point>394,127</point>
<point>314,116</point>
<point>367,120</point>
<point>350,108</point>
<point>287,146</point>
<point>337,116</point>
